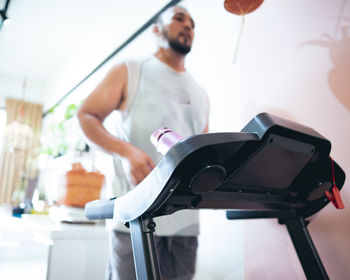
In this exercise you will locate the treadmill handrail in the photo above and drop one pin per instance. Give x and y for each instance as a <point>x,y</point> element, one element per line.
<point>137,201</point>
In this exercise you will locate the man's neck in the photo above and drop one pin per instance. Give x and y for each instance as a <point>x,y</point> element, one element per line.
<point>173,59</point>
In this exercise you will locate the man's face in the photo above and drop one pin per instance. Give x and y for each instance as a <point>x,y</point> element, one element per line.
<point>178,29</point>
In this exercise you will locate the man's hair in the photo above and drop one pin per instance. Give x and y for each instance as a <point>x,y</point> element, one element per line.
<point>159,18</point>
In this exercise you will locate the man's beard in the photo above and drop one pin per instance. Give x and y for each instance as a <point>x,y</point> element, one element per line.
<point>176,45</point>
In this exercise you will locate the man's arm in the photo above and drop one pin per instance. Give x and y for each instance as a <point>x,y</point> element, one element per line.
<point>206,129</point>
<point>108,96</point>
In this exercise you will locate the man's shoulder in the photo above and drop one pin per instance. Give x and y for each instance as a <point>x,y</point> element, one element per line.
<point>130,62</point>
<point>136,61</point>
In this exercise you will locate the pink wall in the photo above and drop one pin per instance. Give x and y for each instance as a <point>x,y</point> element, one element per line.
<point>294,61</point>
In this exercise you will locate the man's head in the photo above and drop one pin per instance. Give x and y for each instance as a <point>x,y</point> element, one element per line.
<point>175,29</point>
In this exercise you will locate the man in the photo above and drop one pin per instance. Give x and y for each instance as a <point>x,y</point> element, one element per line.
<point>150,93</point>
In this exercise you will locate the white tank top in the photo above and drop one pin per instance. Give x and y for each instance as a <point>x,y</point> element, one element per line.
<point>158,96</point>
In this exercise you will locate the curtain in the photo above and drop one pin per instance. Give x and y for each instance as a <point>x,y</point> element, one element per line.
<point>20,149</point>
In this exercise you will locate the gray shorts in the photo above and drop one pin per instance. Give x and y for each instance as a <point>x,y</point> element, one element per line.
<point>176,256</point>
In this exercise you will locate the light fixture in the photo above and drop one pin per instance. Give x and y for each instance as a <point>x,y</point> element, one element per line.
<point>19,135</point>
<point>4,20</point>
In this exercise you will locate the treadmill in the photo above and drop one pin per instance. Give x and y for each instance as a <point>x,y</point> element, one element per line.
<point>273,168</point>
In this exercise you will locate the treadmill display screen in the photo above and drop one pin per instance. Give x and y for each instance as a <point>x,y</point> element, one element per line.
<point>275,165</point>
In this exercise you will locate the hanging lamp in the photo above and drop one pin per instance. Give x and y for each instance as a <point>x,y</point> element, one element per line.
<point>17,134</point>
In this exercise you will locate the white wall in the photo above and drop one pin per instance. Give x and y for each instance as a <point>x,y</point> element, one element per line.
<point>12,87</point>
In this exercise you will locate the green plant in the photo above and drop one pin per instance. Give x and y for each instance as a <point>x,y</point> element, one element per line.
<point>61,132</point>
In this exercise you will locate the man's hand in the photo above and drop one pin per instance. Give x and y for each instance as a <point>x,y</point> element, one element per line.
<point>141,164</point>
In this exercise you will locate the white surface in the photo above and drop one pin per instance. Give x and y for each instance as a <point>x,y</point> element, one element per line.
<point>34,247</point>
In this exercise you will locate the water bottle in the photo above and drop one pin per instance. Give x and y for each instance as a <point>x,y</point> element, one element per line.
<point>163,139</point>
